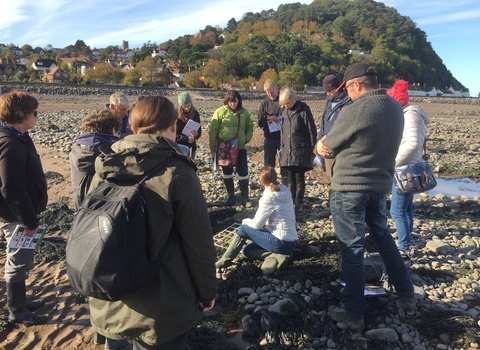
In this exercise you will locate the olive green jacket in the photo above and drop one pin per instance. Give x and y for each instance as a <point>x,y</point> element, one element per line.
<point>224,125</point>
<point>169,307</point>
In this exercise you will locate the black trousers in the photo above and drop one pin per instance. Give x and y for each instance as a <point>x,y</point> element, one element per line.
<point>270,148</point>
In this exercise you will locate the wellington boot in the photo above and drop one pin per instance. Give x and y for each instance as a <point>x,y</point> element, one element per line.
<point>229,185</point>
<point>17,305</point>
<point>244,191</point>
<point>231,253</point>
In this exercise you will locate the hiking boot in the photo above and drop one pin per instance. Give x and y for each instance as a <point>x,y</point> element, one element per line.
<point>339,314</point>
<point>407,304</point>
<point>298,208</point>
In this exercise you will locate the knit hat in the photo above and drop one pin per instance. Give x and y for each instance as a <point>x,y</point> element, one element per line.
<point>399,92</point>
<point>356,70</point>
<point>331,82</point>
<point>184,99</point>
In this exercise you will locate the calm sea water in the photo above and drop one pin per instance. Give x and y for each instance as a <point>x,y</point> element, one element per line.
<point>456,187</point>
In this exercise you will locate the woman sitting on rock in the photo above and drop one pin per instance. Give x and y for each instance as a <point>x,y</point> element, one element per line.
<point>272,230</point>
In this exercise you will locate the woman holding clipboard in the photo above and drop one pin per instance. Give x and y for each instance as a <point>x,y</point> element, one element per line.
<point>187,114</point>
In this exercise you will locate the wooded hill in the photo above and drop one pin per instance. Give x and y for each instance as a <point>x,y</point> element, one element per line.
<point>304,43</point>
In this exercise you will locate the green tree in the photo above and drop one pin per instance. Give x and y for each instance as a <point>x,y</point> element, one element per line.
<point>149,70</point>
<point>27,49</point>
<point>193,79</point>
<point>20,77</point>
<point>214,73</point>
<point>132,77</point>
<point>231,25</point>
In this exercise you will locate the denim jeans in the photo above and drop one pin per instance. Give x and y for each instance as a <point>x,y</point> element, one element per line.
<point>264,239</point>
<point>350,212</point>
<point>242,165</point>
<point>402,213</point>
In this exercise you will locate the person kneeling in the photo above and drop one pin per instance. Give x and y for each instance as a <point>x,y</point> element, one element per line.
<point>272,230</point>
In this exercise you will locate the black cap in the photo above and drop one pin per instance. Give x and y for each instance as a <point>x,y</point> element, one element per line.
<point>357,70</point>
<point>331,82</point>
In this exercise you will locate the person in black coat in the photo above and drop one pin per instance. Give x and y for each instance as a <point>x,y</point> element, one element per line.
<point>23,195</point>
<point>298,137</point>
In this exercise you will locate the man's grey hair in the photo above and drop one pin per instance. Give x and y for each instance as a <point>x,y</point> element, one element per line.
<point>119,98</point>
<point>269,84</point>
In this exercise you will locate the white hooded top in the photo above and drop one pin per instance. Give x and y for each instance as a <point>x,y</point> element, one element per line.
<point>414,133</point>
<point>275,214</point>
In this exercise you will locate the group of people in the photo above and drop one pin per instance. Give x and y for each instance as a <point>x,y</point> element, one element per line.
<point>364,133</point>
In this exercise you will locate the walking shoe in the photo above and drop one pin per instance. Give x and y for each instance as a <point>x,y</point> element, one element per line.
<point>407,304</point>
<point>339,314</point>
<point>35,303</point>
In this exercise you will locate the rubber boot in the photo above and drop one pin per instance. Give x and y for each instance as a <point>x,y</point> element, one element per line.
<point>273,263</point>
<point>244,190</point>
<point>231,253</point>
<point>230,191</point>
<point>17,305</point>
<point>256,252</point>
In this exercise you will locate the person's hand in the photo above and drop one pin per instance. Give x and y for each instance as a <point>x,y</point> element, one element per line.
<point>207,306</point>
<point>321,148</point>
<point>191,138</point>
<point>273,118</point>
<point>30,233</point>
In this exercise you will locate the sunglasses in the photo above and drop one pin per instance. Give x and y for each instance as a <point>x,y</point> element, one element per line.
<point>35,113</point>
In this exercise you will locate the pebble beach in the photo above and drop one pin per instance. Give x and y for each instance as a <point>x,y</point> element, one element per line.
<point>287,310</point>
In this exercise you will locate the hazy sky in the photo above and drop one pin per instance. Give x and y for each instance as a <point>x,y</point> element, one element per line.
<point>451,26</point>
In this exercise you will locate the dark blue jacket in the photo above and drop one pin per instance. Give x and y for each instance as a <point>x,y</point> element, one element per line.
<point>332,108</point>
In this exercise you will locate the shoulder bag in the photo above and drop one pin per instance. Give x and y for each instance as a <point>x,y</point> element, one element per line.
<point>227,151</point>
<point>415,178</point>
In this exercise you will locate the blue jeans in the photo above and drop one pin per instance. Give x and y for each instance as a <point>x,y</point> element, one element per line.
<point>350,212</point>
<point>264,239</point>
<point>242,165</point>
<point>402,213</point>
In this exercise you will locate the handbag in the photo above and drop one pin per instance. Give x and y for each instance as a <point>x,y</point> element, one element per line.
<point>414,178</point>
<point>227,151</point>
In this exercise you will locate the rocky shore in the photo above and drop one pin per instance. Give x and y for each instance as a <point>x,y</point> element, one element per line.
<point>288,309</point>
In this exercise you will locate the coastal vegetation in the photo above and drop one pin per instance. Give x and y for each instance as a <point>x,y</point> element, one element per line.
<point>297,45</point>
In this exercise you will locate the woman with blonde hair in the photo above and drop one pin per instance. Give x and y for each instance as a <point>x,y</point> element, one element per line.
<point>161,315</point>
<point>272,230</point>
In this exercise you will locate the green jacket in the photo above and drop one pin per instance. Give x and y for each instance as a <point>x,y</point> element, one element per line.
<point>176,207</point>
<point>224,125</point>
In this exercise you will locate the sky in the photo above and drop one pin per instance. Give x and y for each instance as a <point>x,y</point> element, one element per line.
<point>452,27</point>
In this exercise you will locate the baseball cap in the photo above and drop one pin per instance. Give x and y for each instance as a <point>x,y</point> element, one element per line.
<point>331,82</point>
<point>356,70</point>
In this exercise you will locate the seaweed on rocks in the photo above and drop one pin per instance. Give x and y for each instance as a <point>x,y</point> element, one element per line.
<point>206,335</point>
<point>57,216</point>
<point>51,248</point>
<point>244,275</point>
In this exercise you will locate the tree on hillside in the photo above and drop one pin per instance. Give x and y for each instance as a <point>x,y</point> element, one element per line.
<point>193,79</point>
<point>6,53</point>
<point>132,77</point>
<point>149,69</point>
<point>248,82</point>
<point>231,25</point>
<point>268,74</point>
<point>214,73</point>
<point>27,49</point>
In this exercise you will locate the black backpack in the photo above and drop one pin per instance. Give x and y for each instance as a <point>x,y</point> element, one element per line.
<point>106,253</point>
